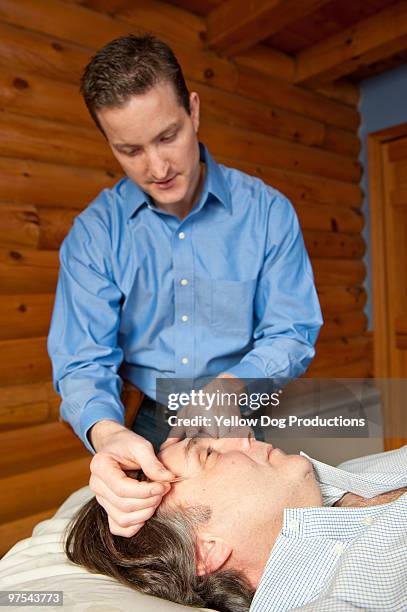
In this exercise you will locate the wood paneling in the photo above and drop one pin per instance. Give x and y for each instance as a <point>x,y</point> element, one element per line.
<point>236,25</point>
<point>28,271</point>
<point>377,37</point>
<point>72,145</point>
<point>47,184</point>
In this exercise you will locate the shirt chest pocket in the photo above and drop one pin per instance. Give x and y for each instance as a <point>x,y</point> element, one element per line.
<point>232,305</point>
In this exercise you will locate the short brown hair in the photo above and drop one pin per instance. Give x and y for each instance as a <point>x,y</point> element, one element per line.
<point>128,66</point>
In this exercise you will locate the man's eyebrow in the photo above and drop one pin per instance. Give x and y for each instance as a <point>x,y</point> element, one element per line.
<point>172,125</point>
<point>188,447</point>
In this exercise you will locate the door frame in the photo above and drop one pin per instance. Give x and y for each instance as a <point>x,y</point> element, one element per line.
<point>377,215</point>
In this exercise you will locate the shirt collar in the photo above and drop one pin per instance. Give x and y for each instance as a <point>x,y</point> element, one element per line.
<point>215,184</point>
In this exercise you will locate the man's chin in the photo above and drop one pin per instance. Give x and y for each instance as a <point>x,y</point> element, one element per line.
<point>171,197</point>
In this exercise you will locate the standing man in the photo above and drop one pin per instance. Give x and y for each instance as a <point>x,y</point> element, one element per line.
<point>184,269</point>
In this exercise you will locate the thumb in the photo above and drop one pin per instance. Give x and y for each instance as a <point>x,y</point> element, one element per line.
<point>155,470</point>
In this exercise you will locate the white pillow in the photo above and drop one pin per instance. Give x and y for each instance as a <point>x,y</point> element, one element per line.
<point>39,563</point>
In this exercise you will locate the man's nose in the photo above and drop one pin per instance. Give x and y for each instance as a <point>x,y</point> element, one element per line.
<point>157,166</point>
<point>241,444</point>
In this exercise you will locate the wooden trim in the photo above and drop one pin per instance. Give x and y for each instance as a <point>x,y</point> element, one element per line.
<point>381,323</point>
<point>392,443</point>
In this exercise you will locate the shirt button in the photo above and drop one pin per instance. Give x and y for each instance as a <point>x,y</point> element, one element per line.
<point>185,360</point>
<point>184,318</point>
<point>184,282</point>
<point>294,525</point>
<point>368,520</point>
<point>181,235</point>
<point>338,548</point>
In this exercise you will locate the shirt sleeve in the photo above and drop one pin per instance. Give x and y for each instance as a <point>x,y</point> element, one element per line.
<point>287,312</point>
<point>82,341</point>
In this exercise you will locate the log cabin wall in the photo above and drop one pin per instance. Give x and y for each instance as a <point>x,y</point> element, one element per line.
<point>53,162</point>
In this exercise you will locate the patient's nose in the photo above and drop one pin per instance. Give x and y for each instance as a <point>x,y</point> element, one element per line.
<point>242,444</point>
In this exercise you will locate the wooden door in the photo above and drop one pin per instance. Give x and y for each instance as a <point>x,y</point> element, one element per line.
<point>388,204</point>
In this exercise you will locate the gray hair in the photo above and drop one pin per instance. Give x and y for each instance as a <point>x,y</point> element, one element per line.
<point>159,560</point>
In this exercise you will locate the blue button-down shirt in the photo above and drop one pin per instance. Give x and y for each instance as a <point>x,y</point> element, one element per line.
<point>143,295</point>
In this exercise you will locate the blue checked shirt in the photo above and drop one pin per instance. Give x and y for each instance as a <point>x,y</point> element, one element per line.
<point>143,295</point>
<point>328,559</point>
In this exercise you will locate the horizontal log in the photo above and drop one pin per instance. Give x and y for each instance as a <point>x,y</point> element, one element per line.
<point>28,271</point>
<point>25,315</point>
<point>31,94</point>
<point>336,300</point>
<point>236,143</point>
<point>19,225</point>
<point>38,444</point>
<point>38,490</point>
<point>326,218</point>
<point>345,272</point>
<point>15,530</point>
<point>341,141</point>
<point>354,369</point>
<point>61,186</point>
<point>304,102</point>
<point>264,59</point>
<point>334,353</point>
<point>234,110</point>
<point>27,404</point>
<point>55,223</point>
<point>269,61</point>
<point>109,7</point>
<point>164,19</point>
<point>343,325</point>
<point>50,141</point>
<point>333,245</point>
<point>342,91</point>
<point>23,49</point>
<point>301,187</point>
<point>26,361</point>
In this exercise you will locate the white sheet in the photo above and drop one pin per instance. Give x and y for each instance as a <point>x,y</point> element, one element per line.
<point>39,563</point>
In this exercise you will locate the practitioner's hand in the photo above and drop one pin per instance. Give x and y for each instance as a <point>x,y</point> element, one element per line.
<point>128,502</point>
<point>217,421</point>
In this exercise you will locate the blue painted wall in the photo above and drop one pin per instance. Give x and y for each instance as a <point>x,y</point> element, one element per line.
<point>383,103</point>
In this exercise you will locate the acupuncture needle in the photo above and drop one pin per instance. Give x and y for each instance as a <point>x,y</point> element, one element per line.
<point>136,474</point>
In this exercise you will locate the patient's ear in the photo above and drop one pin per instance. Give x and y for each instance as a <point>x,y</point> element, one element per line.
<point>212,552</point>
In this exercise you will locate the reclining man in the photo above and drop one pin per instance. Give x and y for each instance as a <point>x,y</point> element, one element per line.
<point>337,536</point>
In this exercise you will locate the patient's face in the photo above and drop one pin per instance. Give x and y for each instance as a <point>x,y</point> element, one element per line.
<point>246,483</point>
